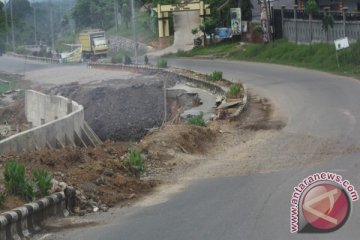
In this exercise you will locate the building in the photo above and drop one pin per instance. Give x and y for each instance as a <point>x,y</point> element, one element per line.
<point>335,5</point>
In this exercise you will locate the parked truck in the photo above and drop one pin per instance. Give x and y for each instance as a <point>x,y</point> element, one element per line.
<point>93,43</point>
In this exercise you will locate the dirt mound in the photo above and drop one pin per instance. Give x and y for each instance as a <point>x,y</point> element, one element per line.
<point>120,110</point>
<point>98,173</point>
<point>14,113</point>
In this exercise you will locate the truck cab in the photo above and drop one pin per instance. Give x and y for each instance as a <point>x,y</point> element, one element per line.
<point>93,43</point>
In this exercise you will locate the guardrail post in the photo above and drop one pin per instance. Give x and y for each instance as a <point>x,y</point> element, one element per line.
<point>3,226</point>
<point>21,225</point>
<point>11,228</point>
<point>32,223</point>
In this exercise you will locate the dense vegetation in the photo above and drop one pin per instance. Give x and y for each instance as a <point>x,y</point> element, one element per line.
<point>55,22</point>
<point>42,22</point>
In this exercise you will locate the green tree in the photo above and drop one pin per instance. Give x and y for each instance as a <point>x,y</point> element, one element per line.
<point>311,8</point>
<point>93,13</point>
<point>209,27</point>
<point>327,23</point>
<point>126,14</point>
<point>156,2</point>
<point>246,10</point>
<point>2,28</point>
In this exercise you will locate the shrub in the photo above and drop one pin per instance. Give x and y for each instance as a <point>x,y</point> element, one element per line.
<point>16,182</point>
<point>258,29</point>
<point>127,60</point>
<point>14,176</point>
<point>162,63</point>
<point>197,120</point>
<point>2,199</point>
<point>21,50</point>
<point>234,90</point>
<point>215,76</point>
<point>135,162</point>
<point>194,31</point>
<point>117,58</point>
<point>42,180</point>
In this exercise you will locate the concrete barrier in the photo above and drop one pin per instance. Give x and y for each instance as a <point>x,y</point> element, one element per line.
<point>57,121</point>
<point>24,221</point>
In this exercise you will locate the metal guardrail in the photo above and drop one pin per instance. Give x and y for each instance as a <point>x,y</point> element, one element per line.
<point>41,59</point>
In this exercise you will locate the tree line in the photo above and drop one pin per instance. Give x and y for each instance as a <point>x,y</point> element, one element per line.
<point>45,21</point>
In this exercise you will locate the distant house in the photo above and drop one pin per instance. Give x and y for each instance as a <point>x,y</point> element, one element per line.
<point>335,5</point>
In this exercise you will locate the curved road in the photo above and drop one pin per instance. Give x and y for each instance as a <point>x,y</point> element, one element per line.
<point>317,105</point>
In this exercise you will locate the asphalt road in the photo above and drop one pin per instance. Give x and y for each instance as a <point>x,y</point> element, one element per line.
<point>256,206</point>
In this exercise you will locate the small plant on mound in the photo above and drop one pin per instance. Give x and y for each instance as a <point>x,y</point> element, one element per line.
<point>42,180</point>
<point>197,120</point>
<point>117,58</point>
<point>162,63</point>
<point>2,199</point>
<point>127,60</point>
<point>234,90</point>
<point>135,162</point>
<point>215,76</point>
<point>16,182</point>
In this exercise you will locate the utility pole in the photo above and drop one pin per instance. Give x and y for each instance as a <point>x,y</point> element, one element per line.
<point>267,20</point>
<point>134,29</point>
<point>52,27</point>
<point>12,26</point>
<point>6,23</point>
<point>116,12</point>
<point>35,34</point>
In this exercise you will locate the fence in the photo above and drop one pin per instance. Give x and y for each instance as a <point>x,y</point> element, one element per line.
<point>294,25</point>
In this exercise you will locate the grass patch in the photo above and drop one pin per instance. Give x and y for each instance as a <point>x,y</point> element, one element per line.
<point>135,162</point>
<point>42,180</point>
<point>2,199</point>
<point>214,76</point>
<point>234,91</point>
<point>197,120</point>
<point>117,57</point>
<point>218,50</point>
<point>162,63</point>
<point>4,87</point>
<point>319,56</point>
<point>15,181</point>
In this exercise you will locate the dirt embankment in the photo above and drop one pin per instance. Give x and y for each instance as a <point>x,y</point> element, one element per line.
<point>100,174</point>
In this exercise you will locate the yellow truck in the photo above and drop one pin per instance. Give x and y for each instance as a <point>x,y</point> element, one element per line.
<point>93,43</point>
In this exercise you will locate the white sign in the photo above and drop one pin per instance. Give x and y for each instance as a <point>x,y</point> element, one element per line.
<point>341,43</point>
<point>235,14</point>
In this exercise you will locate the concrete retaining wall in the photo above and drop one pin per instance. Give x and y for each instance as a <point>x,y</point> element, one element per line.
<point>57,122</point>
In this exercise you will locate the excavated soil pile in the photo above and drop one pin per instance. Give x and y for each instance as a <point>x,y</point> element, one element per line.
<point>120,110</point>
<point>123,110</point>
